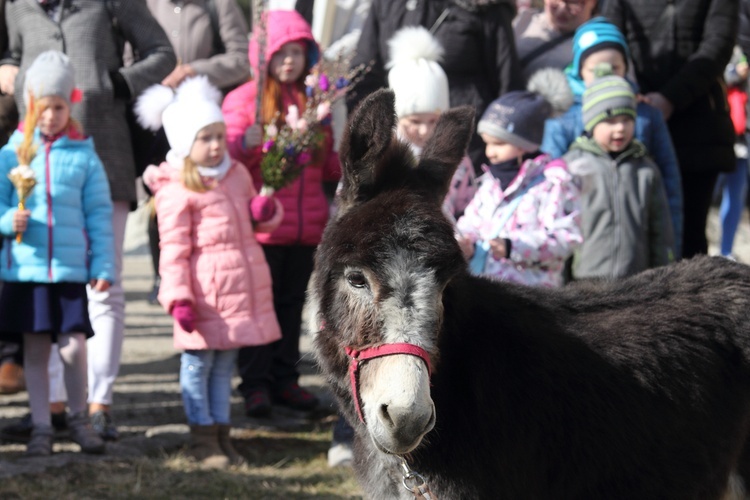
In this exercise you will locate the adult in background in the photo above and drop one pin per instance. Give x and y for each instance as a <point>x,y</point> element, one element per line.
<point>11,372</point>
<point>679,52</point>
<point>209,38</point>
<point>743,40</point>
<point>91,33</point>
<point>480,56</point>
<point>544,37</point>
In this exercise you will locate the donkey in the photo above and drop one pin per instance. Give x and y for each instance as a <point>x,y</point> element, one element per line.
<point>462,387</point>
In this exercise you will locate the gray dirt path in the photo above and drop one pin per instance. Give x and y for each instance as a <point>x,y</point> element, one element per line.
<point>148,407</point>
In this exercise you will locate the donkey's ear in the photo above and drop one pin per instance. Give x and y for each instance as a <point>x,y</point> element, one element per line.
<point>368,134</point>
<point>447,146</point>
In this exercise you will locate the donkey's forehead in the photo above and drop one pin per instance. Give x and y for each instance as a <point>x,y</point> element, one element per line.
<point>382,224</point>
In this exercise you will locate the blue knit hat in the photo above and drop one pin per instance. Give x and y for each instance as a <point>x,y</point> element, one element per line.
<point>596,34</point>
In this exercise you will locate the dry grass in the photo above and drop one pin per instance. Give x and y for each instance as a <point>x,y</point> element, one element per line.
<point>288,465</point>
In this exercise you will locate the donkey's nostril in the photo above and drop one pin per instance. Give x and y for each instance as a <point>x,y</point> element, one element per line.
<point>385,417</point>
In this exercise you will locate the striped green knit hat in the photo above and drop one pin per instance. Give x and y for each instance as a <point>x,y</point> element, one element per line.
<point>607,96</point>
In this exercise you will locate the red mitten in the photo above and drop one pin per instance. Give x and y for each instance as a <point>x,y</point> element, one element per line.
<point>262,208</point>
<point>182,311</point>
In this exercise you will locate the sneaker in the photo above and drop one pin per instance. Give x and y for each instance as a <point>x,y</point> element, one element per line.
<point>84,435</point>
<point>340,455</point>
<point>101,421</point>
<point>40,441</point>
<point>257,403</point>
<point>20,432</point>
<point>295,397</point>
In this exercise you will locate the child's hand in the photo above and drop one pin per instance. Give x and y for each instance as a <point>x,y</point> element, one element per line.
<point>466,245</point>
<point>100,285</point>
<point>21,221</point>
<point>262,208</point>
<point>182,311</point>
<point>253,136</point>
<point>498,248</point>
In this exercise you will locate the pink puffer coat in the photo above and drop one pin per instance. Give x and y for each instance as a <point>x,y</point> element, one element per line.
<point>210,257</point>
<point>305,205</point>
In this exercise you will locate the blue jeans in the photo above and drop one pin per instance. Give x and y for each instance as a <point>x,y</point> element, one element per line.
<point>206,382</point>
<point>732,204</point>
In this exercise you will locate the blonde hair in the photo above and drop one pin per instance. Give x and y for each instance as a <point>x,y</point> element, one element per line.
<point>191,178</point>
<point>27,149</point>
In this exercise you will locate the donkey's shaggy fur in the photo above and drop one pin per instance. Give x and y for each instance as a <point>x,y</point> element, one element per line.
<point>638,389</point>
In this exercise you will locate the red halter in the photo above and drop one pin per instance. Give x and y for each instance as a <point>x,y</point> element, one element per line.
<point>376,352</point>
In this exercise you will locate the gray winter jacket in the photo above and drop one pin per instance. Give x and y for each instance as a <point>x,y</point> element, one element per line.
<point>188,25</point>
<point>624,212</point>
<point>87,35</point>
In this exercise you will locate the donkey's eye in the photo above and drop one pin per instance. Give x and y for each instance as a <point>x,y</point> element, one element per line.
<point>356,279</point>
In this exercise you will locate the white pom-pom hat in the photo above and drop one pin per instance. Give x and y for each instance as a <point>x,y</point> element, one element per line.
<point>415,75</point>
<point>183,113</point>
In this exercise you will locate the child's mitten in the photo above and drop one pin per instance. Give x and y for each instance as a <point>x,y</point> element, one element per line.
<point>182,311</point>
<point>262,208</point>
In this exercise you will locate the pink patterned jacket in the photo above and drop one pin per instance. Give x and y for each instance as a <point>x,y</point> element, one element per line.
<point>544,229</point>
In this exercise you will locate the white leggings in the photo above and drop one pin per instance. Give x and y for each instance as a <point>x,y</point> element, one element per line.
<point>107,313</point>
<point>71,354</point>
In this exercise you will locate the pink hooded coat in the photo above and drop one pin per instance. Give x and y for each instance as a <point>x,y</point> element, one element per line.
<point>210,258</point>
<point>305,205</point>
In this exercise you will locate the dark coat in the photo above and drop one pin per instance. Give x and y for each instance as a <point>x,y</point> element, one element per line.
<point>680,48</point>
<point>8,110</point>
<point>86,34</point>
<point>480,55</point>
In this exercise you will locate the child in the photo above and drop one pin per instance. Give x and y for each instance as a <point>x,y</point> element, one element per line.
<point>421,89</point>
<point>523,222</point>
<point>625,215</point>
<point>599,41</point>
<point>215,280</point>
<point>271,371</point>
<point>65,242</point>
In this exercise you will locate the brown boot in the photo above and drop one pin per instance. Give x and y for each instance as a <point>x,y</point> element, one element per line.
<point>226,445</point>
<point>11,378</point>
<point>204,447</point>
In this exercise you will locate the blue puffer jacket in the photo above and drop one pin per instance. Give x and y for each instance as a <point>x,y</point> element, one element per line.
<point>650,129</point>
<point>69,235</point>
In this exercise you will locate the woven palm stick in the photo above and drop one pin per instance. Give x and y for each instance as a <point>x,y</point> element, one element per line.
<point>259,27</point>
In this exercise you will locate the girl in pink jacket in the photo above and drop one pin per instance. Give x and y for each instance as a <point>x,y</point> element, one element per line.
<point>290,53</point>
<point>215,279</point>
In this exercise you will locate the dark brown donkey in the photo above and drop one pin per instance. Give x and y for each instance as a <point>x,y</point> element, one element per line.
<point>638,389</point>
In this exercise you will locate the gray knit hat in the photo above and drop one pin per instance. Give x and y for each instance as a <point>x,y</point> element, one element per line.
<point>50,74</point>
<point>518,117</point>
<point>607,96</point>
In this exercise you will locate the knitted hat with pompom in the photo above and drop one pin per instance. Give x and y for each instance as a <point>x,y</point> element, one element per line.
<point>183,113</point>
<point>608,95</point>
<point>518,117</point>
<point>415,75</point>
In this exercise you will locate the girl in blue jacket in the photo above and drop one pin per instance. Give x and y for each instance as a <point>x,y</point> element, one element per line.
<point>58,239</point>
